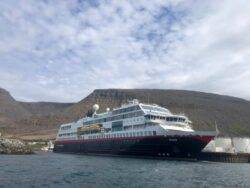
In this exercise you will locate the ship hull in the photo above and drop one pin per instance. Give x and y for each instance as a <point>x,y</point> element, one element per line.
<point>154,146</point>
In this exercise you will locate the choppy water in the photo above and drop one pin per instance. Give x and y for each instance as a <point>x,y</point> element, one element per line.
<point>66,170</point>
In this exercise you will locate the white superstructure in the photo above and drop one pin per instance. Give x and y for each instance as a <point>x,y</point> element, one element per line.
<point>129,120</point>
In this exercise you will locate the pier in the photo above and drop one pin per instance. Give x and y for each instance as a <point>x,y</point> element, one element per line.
<point>224,157</point>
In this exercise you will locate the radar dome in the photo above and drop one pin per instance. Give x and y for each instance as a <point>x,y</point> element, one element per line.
<point>107,109</point>
<point>95,107</point>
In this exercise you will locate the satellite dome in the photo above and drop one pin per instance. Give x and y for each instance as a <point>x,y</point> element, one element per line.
<point>95,107</point>
<point>107,109</point>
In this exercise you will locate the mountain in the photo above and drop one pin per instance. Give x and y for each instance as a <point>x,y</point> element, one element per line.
<point>42,119</point>
<point>29,117</point>
<point>10,110</point>
<point>44,108</point>
<point>231,114</point>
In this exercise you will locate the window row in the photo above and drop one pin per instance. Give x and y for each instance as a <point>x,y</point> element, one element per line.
<point>124,110</point>
<point>173,119</point>
<point>89,132</point>
<point>122,135</point>
<point>133,120</point>
<point>67,134</point>
<point>154,108</point>
<point>114,118</point>
<point>66,127</point>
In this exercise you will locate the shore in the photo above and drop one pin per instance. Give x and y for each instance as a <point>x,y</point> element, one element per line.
<point>14,146</point>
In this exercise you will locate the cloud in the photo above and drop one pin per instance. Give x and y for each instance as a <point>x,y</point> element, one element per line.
<point>61,51</point>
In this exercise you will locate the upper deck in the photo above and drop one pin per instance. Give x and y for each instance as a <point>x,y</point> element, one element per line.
<point>131,116</point>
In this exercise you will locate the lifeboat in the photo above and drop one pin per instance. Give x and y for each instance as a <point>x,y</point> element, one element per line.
<point>88,129</point>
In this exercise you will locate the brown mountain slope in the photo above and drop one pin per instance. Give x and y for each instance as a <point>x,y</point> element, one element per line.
<point>44,108</point>
<point>19,117</point>
<point>10,111</point>
<point>231,114</point>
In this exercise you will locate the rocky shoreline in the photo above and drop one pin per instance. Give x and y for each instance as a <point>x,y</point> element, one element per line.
<point>14,146</point>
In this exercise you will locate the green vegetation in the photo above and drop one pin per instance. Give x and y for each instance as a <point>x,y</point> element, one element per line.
<point>36,146</point>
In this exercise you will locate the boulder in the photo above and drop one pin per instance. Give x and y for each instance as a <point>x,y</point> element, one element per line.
<point>14,146</point>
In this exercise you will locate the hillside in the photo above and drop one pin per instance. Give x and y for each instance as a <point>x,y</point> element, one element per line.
<point>10,110</point>
<point>44,108</point>
<point>231,114</point>
<point>204,109</point>
<point>22,117</point>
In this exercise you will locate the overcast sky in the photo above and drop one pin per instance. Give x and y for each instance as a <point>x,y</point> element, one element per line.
<point>62,50</point>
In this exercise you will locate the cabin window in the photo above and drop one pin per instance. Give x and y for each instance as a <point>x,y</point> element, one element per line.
<point>181,119</point>
<point>129,109</point>
<point>147,117</point>
<point>117,126</point>
<point>66,127</point>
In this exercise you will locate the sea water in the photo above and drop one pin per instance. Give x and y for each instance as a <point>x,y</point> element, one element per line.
<point>69,170</point>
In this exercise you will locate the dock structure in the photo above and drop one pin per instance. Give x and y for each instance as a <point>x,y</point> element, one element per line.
<point>224,157</point>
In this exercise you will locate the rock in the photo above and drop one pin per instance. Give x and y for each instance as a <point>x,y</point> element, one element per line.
<point>14,146</point>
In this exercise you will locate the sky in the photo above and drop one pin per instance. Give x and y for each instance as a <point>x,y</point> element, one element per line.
<point>61,51</point>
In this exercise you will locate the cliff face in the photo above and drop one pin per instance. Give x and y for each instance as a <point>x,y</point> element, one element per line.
<point>231,114</point>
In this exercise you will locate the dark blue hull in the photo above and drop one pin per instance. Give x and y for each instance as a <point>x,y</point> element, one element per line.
<point>158,146</point>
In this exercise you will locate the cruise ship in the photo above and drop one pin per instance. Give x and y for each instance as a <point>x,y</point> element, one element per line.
<point>135,128</point>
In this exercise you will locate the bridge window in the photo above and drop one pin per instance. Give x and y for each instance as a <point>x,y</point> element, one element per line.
<point>124,110</point>
<point>66,127</point>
